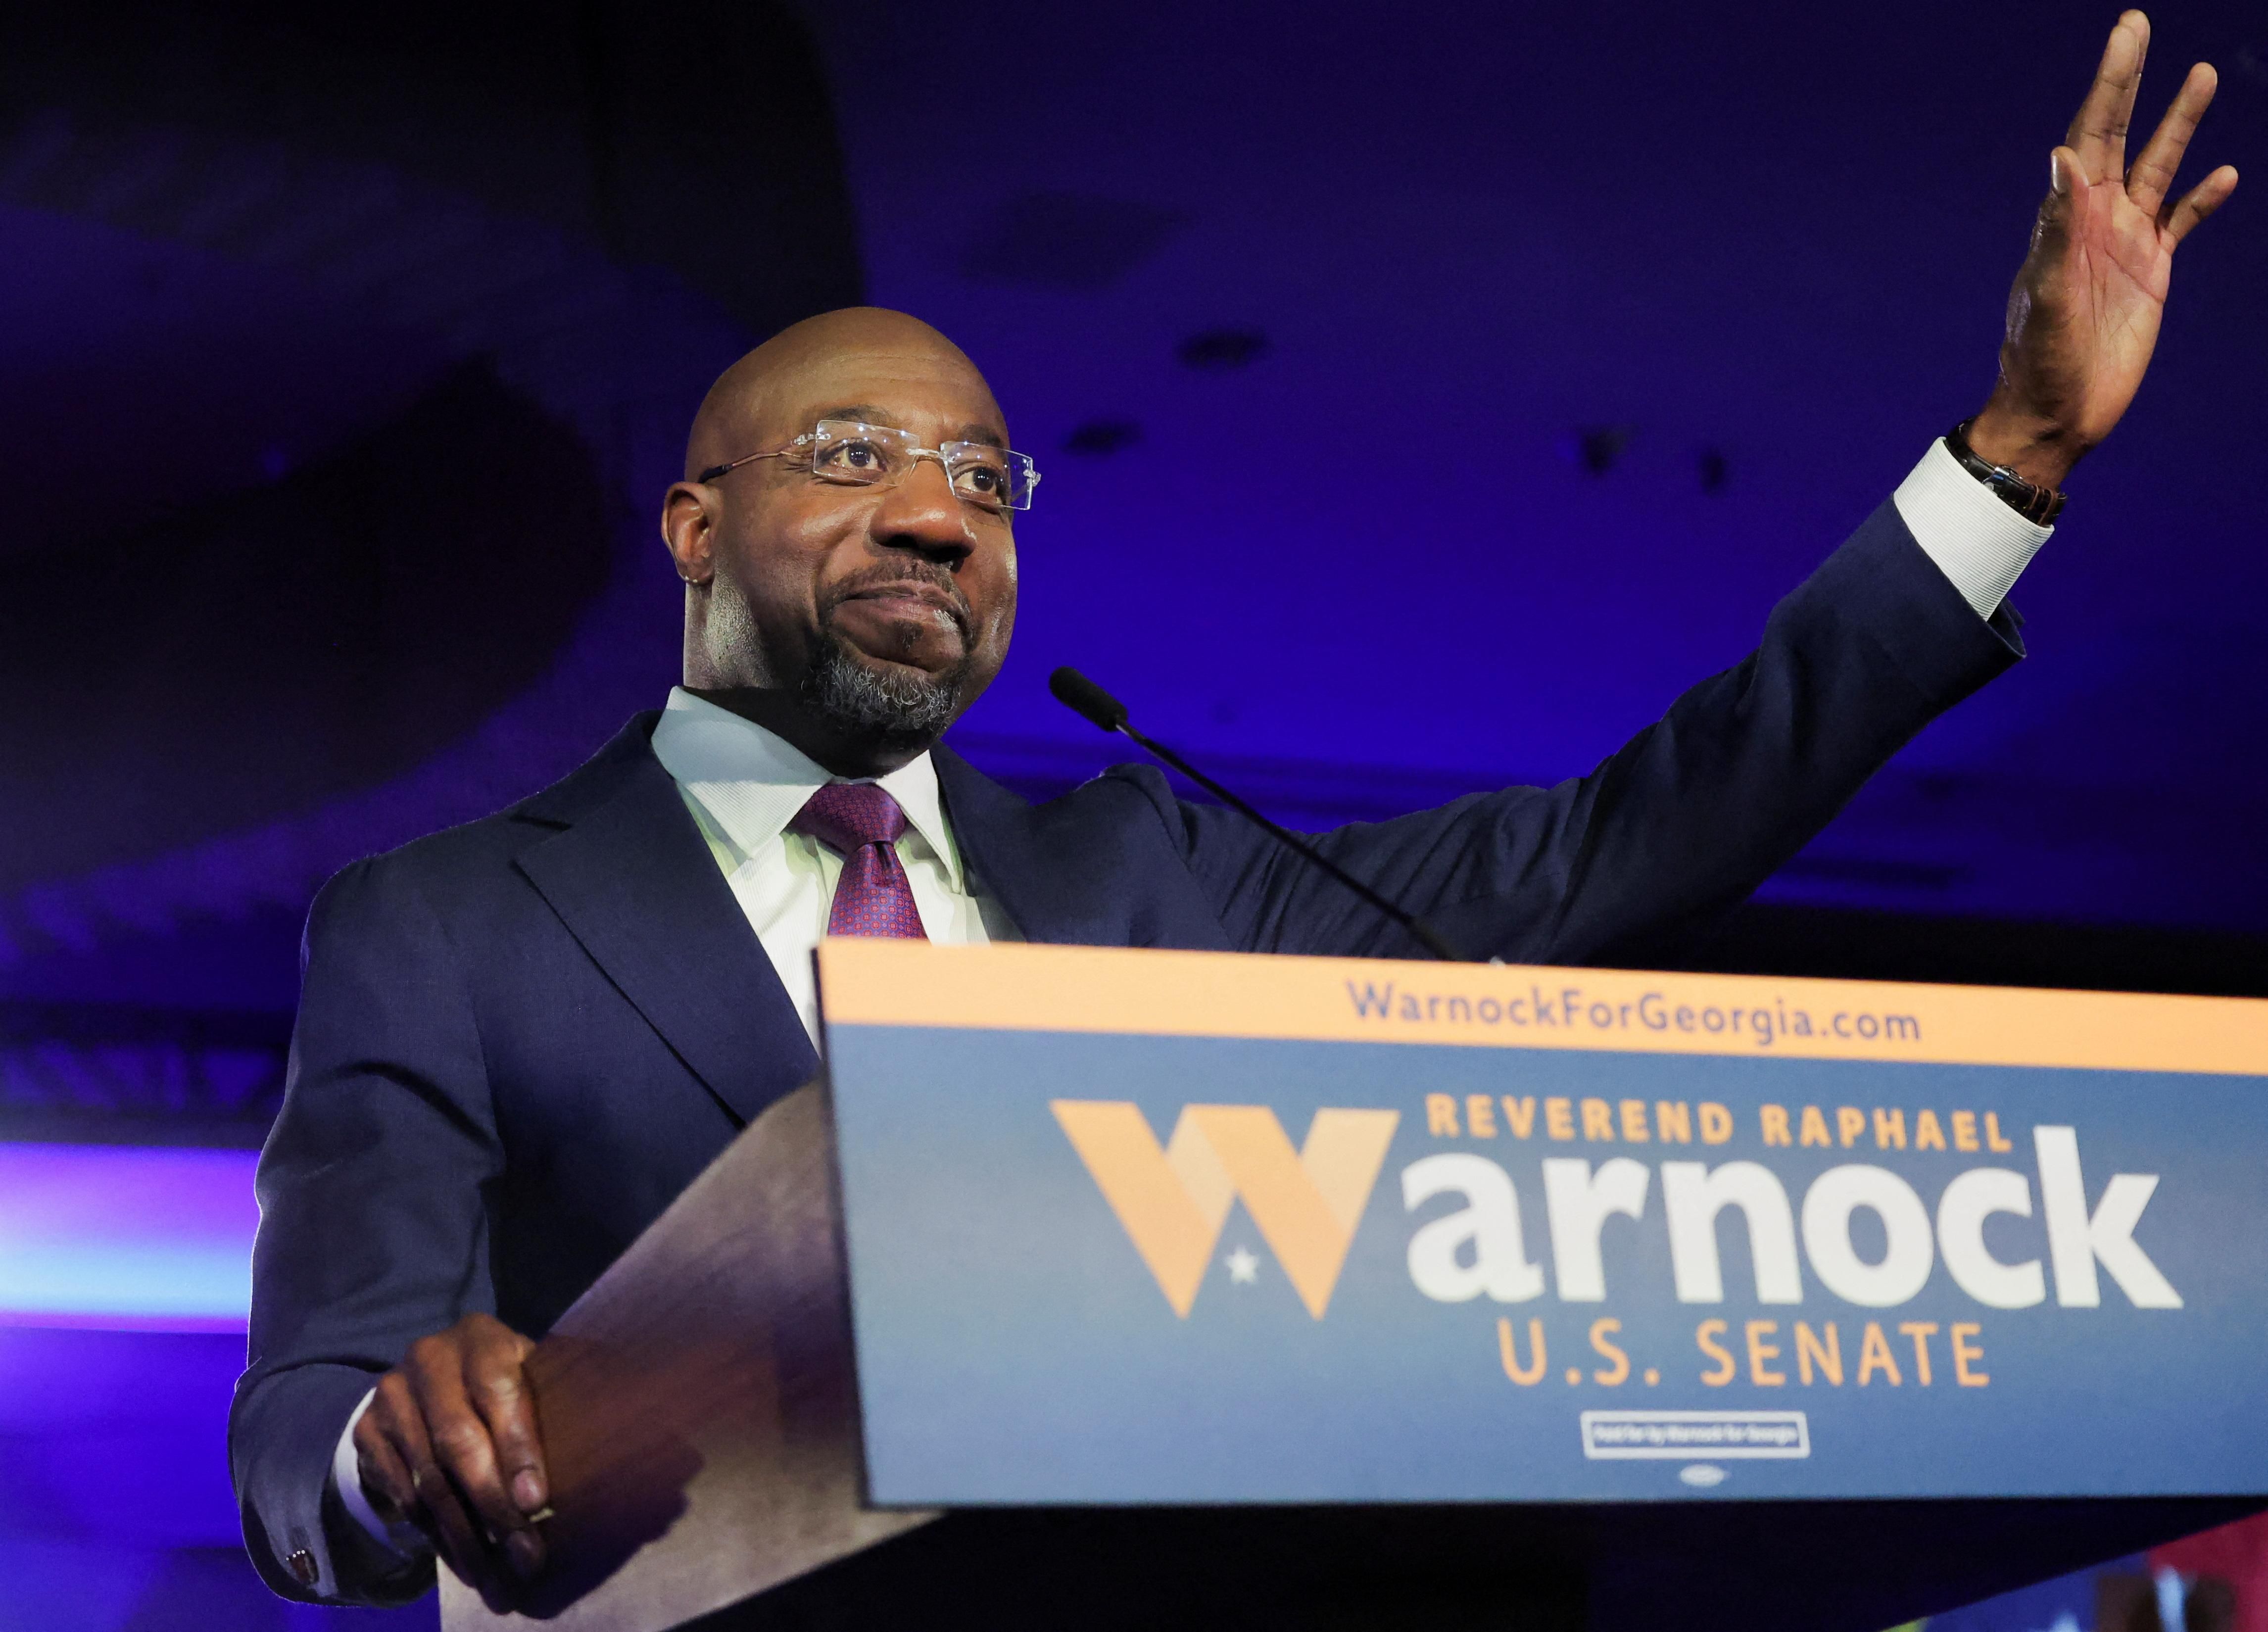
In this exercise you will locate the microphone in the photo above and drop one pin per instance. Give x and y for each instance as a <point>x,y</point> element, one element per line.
<point>1088,700</point>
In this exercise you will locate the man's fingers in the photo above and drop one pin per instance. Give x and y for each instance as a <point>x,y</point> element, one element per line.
<point>2052,229</point>
<point>497,1388</point>
<point>454,1532</point>
<point>461,1444</point>
<point>432,1503</point>
<point>2202,199</point>
<point>448,1430</point>
<point>2098,131</point>
<point>2152,177</point>
<point>389,1442</point>
<point>384,1477</point>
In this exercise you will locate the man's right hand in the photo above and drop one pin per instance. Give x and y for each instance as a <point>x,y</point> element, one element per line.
<point>450,1444</point>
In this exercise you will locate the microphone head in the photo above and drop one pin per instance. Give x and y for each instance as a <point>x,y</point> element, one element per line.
<point>1083,697</point>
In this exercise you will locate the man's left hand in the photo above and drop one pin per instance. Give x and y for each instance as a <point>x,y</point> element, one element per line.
<point>2083,317</point>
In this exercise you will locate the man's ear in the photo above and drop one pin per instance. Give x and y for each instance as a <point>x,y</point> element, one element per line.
<point>688,528</point>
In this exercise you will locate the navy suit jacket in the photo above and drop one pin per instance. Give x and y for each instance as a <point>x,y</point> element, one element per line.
<point>520,1040</point>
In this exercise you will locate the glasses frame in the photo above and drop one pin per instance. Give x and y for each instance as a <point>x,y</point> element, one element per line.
<point>915,455</point>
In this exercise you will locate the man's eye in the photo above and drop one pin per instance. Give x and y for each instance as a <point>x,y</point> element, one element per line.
<point>981,482</point>
<point>851,459</point>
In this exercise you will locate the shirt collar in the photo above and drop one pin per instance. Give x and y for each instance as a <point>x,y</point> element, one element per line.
<point>753,781</point>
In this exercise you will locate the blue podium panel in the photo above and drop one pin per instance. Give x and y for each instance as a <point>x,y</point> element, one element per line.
<point>1148,1227</point>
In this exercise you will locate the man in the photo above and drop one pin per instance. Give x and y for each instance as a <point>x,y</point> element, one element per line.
<point>519,1040</point>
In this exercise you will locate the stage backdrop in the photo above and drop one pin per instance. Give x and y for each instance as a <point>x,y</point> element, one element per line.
<point>1131,1226</point>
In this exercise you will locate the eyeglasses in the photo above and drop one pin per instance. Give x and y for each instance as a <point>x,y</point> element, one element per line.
<point>844,451</point>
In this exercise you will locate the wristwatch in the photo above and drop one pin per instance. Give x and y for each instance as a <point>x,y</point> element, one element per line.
<point>2036,504</point>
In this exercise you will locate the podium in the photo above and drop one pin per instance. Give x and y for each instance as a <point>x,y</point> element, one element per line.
<point>1103,1288</point>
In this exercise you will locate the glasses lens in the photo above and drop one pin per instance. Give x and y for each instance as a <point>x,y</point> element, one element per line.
<point>844,450</point>
<point>991,477</point>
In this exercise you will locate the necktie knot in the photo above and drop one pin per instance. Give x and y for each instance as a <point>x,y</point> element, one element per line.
<point>846,816</point>
<point>862,823</point>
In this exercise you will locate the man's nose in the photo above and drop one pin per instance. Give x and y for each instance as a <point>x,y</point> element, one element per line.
<point>921,512</point>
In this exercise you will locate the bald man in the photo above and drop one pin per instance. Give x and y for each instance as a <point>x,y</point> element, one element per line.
<point>519,1040</point>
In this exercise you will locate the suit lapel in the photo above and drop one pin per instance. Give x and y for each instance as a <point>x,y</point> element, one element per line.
<point>1001,840</point>
<point>632,879</point>
<point>1069,872</point>
<point>1061,878</point>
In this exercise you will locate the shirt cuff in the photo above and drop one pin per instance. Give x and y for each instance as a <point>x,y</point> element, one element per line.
<point>1976,541</point>
<point>402,1540</point>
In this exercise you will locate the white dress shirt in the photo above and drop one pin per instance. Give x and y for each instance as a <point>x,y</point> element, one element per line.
<point>744,784</point>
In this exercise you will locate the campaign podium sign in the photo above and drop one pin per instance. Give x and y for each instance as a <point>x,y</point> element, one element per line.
<point>1119,1289</point>
<point>1128,1227</point>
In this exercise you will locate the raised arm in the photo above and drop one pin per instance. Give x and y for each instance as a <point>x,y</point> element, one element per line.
<point>1682,824</point>
<point>1699,808</point>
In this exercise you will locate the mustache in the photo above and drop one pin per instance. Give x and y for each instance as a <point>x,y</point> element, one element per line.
<point>903,570</point>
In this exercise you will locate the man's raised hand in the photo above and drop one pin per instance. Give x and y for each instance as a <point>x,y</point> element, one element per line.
<point>2083,317</point>
<point>450,1444</point>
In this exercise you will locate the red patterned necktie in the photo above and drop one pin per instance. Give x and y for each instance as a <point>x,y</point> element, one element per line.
<point>863,822</point>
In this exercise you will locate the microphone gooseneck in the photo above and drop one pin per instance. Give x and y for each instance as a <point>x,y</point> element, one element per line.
<point>1082,697</point>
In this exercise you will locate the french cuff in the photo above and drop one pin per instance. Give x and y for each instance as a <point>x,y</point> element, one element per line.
<point>1976,541</point>
<point>404,1542</point>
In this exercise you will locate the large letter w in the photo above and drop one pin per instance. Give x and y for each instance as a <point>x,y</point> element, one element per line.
<point>1174,1200</point>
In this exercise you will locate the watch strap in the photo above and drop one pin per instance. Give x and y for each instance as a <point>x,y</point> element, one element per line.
<point>2037,504</point>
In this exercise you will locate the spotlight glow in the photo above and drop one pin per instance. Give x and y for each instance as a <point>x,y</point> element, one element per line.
<point>126,1238</point>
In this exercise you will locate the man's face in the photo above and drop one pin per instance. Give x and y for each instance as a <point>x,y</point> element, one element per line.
<point>899,599</point>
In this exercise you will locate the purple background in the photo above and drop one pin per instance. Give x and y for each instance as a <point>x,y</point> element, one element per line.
<point>344,355</point>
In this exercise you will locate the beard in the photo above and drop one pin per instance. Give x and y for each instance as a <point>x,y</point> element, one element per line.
<point>884,706</point>
<point>894,708</point>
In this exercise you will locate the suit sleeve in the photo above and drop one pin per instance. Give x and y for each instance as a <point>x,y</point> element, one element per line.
<point>1681,825</point>
<point>373,1231</point>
